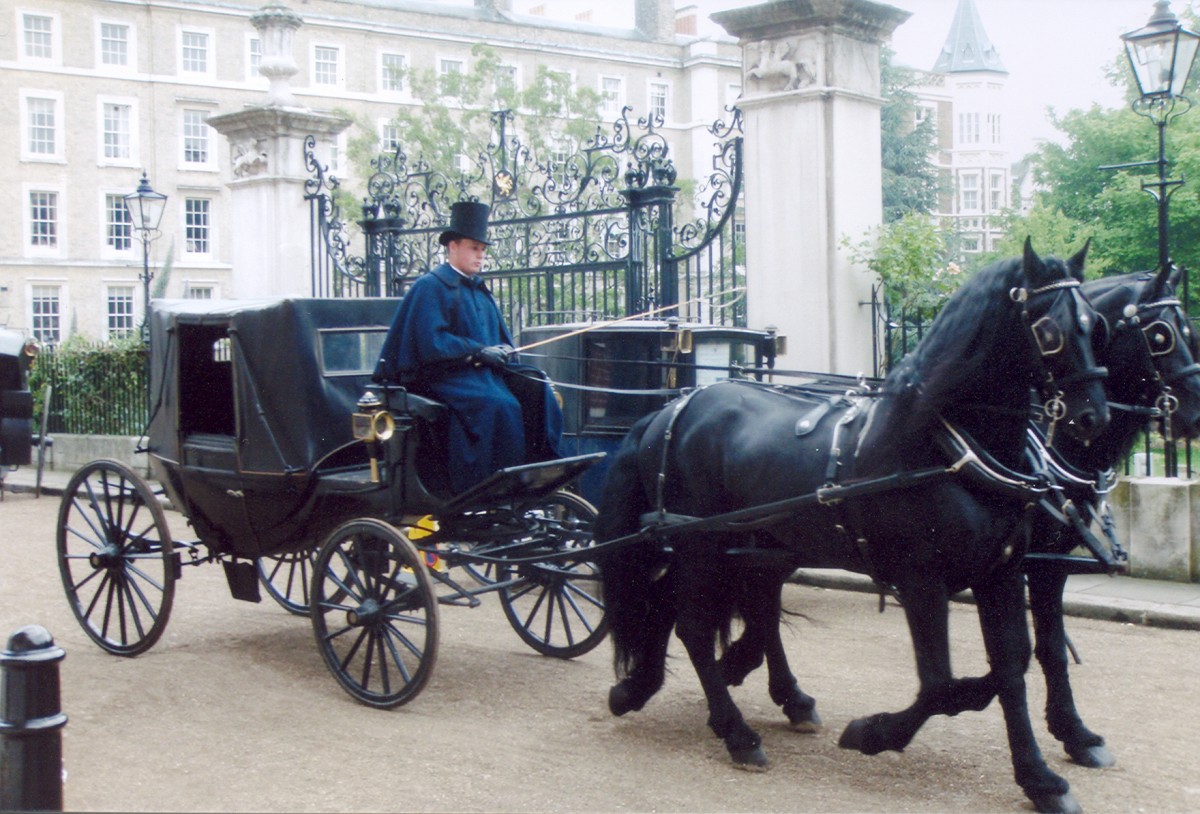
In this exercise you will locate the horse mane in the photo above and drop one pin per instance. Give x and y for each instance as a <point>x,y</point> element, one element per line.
<point>972,336</point>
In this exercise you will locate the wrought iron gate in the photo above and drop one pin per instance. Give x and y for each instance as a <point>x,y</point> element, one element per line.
<point>582,235</point>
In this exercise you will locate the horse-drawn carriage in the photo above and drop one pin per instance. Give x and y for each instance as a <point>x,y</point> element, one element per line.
<point>17,438</point>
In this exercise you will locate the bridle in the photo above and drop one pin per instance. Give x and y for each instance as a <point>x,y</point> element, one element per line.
<point>1047,338</point>
<point>1159,338</point>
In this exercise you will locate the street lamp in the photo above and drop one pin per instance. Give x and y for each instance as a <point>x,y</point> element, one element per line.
<point>1161,54</point>
<point>145,207</point>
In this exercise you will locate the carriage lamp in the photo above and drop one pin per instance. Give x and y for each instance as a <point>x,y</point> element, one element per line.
<point>372,424</point>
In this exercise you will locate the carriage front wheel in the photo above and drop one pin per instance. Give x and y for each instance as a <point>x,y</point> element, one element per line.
<point>116,557</point>
<point>287,579</point>
<point>374,613</point>
<point>555,605</point>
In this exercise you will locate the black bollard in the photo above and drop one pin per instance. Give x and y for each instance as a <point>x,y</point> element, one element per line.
<point>31,722</point>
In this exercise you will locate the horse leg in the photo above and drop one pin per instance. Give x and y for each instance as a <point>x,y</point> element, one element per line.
<point>1045,600</point>
<point>699,623</point>
<point>1001,604</point>
<point>760,604</point>
<point>648,658</point>
<point>926,609</point>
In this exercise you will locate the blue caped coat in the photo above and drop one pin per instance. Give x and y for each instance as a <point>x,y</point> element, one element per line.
<point>443,321</point>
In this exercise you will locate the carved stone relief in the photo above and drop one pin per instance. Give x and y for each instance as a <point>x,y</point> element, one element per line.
<point>249,157</point>
<point>776,65</point>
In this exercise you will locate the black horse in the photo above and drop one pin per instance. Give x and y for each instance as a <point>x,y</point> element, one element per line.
<point>1151,354</point>
<point>888,502</point>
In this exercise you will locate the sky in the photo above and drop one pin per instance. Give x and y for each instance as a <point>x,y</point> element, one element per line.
<point>1056,51</point>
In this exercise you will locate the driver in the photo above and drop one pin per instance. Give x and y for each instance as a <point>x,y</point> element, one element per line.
<point>448,341</point>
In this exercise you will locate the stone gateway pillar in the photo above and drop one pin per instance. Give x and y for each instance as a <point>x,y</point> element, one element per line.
<point>272,234</point>
<point>811,102</point>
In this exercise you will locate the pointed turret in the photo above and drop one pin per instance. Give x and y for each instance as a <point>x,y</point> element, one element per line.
<point>967,48</point>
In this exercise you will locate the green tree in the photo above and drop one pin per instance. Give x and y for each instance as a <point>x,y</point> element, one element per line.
<point>910,258</point>
<point>910,180</point>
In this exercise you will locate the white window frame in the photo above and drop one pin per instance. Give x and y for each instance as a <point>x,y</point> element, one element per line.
<point>383,73</point>
<point>385,125</point>
<point>339,79</point>
<point>131,60</point>
<point>59,249</point>
<point>617,103</point>
<point>107,250</point>
<point>516,76</point>
<point>56,51</point>
<point>210,143</point>
<point>969,128</point>
<point>59,154</point>
<point>210,52</point>
<point>135,310</point>
<point>975,188</point>
<point>129,102</point>
<point>210,227</point>
<point>252,74</point>
<point>63,304</point>
<point>650,107</point>
<point>997,192</point>
<point>193,285</point>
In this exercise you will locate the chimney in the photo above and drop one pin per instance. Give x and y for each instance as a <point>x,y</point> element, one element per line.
<point>685,21</point>
<point>655,19</point>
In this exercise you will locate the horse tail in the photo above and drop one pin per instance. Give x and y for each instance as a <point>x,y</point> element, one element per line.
<point>638,597</point>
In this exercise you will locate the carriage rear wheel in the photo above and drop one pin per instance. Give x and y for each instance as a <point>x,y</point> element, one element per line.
<point>556,606</point>
<point>288,578</point>
<point>116,557</point>
<point>374,613</point>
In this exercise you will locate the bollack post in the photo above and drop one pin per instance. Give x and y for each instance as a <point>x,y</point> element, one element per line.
<point>31,722</point>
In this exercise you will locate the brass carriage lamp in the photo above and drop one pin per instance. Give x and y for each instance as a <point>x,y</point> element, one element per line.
<point>1161,54</point>
<point>371,425</point>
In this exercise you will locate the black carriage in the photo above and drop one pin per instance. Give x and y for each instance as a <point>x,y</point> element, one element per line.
<point>301,476</point>
<point>17,438</point>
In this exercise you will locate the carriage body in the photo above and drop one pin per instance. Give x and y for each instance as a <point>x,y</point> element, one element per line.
<point>250,404</point>
<point>16,400</point>
<point>627,370</point>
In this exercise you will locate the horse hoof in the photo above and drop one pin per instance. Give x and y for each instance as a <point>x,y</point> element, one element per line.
<point>804,720</point>
<point>1057,803</point>
<point>753,759</point>
<point>854,736</point>
<point>1093,757</point>
<point>620,700</point>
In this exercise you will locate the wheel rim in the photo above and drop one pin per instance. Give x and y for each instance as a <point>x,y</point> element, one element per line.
<point>116,557</point>
<point>374,613</point>
<point>556,607</point>
<point>288,579</point>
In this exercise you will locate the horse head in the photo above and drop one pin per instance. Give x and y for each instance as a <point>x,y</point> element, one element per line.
<point>1061,324</point>
<point>1146,340</point>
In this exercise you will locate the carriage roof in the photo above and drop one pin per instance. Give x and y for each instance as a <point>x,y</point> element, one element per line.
<point>280,375</point>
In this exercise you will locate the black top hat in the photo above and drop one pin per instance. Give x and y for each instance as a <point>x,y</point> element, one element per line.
<point>467,219</point>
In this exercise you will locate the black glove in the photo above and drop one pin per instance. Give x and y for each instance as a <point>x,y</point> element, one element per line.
<point>495,356</point>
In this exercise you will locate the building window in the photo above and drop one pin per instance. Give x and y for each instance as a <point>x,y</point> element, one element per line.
<point>968,128</point>
<point>43,219</point>
<point>120,311</point>
<point>194,52</point>
<point>993,123</point>
<point>970,244</point>
<point>197,291</point>
<point>659,100</point>
<point>450,76</point>
<point>506,78</point>
<point>391,72</point>
<point>997,191</point>
<point>46,313</point>
<point>612,95</point>
<point>254,56</point>
<point>195,137</point>
<point>41,126</point>
<point>197,225</point>
<point>38,31</point>
<point>114,44</point>
<point>389,137</point>
<point>326,65</point>
<point>118,224</point>
<point>116,130</point>
<point>968,185</point>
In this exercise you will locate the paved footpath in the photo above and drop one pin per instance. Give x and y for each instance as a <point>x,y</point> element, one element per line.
<point>1120,599</point>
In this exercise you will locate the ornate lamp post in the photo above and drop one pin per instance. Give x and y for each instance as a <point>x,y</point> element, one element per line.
<point>1161,54</point>
<point>146,208</point>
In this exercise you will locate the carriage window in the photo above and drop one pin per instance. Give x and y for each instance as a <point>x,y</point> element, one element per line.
<point>714,360</point>
<point>351,352</point>
<point>615,364</point>
<point>205,380</point>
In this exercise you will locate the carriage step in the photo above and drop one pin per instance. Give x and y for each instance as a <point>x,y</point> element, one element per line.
<point>243,581</point>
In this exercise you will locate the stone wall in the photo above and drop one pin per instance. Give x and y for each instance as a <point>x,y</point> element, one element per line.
<point>70,452</point>
<point>1158,521</point>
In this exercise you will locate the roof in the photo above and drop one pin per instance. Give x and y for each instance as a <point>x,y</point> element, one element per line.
<point>967,48</point>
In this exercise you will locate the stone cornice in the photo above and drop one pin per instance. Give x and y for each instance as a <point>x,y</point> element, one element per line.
<point>861,19</point>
